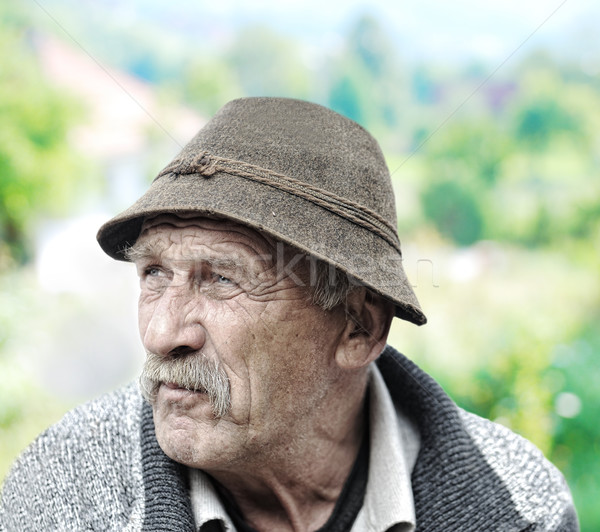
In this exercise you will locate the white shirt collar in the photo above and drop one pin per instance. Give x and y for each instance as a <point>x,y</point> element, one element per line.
<point>206,505</point>
<point>395,444</point>
<point>388,504</point>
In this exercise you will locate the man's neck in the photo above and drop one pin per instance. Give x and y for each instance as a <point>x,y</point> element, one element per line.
<point>297,489</point>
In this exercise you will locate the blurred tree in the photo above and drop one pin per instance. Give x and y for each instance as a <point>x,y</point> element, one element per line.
<point>553,167</point>
<point>585,224</point>
<point>538,121</point>
<point>267,64</point>
<point>454,210</point>
<point>38,172</point>
<point>425,88</point>
<point>348,96</point>
<point>528,167</point>
<point>463,163</point>
<point>365,78</point>
<point>208,83</point>
<point>368,43</point>
<point>478,146</point>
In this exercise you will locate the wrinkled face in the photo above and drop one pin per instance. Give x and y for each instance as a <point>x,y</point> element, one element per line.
<point>213,292</point>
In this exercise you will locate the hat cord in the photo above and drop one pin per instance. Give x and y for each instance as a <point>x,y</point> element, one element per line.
<point>206,165</point>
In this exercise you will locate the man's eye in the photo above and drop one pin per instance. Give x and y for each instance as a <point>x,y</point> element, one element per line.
<point>221,279</point>
<point>152,271</point>
<point>154,275</point>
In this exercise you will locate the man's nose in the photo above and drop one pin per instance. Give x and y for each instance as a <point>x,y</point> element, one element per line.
<point>174,325</point>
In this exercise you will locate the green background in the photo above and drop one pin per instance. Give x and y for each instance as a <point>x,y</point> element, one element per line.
<point>495,167</point>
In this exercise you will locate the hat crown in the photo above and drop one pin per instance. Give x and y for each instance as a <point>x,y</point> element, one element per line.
<point>303,141</point>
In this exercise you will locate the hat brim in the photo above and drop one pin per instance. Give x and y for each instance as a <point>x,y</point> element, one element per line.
<point>290,219</point>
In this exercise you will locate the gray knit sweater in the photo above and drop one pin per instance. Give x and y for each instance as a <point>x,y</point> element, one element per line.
<point>100,468</point>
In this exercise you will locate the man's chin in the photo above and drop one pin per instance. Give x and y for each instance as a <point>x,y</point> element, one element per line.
<point>187,431</point>
<point>179,444</point>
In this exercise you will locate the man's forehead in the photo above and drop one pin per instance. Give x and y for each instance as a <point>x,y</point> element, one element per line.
<point>159,231</point>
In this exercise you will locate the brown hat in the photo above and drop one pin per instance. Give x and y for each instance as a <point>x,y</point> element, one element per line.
<point>295,170</point>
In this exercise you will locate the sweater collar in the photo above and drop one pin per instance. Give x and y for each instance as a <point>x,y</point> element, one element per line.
<point>453,485</point>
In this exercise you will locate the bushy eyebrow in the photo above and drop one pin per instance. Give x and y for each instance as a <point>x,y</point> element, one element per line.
<point>150,251</point>
<point>143,251</point>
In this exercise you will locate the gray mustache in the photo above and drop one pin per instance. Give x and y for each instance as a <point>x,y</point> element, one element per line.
<point>193,372</point>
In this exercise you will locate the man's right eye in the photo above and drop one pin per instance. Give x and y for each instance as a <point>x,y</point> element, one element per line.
<point>152,271</point>
<point>154,277</point>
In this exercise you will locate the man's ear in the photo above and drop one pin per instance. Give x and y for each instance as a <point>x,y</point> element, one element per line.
<point>368,319</point>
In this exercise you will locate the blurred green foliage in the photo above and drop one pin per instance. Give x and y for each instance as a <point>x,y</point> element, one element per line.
<point>366,81</point>
<point>38,169</point>
<point>576,445</point>
<point>507,173</point>
<point>454,210</point>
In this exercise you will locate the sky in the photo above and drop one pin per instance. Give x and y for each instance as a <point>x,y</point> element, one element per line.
<point>422,28</point>
<point>435,30</point>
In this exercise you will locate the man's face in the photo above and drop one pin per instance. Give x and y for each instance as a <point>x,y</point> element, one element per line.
<point>214,289</point>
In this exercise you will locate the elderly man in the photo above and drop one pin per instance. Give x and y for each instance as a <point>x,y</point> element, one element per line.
<point>270,270</point>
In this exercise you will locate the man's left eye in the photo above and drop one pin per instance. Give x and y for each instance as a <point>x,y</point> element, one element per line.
<point>222,279</point>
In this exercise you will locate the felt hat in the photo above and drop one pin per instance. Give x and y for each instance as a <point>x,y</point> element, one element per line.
<point>295,170</point>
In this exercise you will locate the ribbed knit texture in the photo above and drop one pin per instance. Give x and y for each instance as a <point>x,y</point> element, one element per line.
<point>100,468</point>
<point>84,473</point>
<point>168,507</point>
<point>454,486</point>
